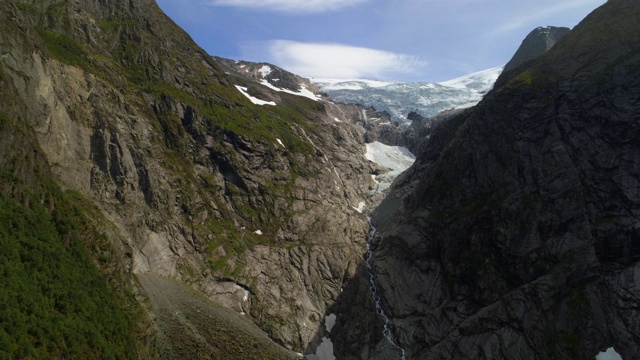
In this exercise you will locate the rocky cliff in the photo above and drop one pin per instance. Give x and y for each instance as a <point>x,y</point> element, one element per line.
<point>256,207</point>
<point>515,234</point>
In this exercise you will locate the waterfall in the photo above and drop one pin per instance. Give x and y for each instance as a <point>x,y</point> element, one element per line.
<point>386,329</point>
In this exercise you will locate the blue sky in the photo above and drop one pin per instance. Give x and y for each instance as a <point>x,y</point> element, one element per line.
<point>404,40</point>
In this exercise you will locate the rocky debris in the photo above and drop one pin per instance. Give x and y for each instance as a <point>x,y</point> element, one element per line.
<point>538,42</point>
<point>191,326</point>
<point>513,236</point>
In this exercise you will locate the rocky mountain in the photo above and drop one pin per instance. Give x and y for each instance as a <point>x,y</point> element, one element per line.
<point>157,202</point>
<point>515,233</point>
<point>185,185</point>
<point>423,98</point>
<point>539,41</point>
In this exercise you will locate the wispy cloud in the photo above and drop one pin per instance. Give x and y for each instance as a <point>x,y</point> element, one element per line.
<point>341,61</point>
<point>290,6</point>
<point>533,17</point>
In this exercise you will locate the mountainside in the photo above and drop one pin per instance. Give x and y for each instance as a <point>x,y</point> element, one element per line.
<point>158,202</point>
<point>537,42</point>
<point>399,99</point>
<point>187,182</point>
<point>515,233</point>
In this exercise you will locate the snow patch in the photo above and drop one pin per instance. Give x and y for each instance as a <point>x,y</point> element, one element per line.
<point>337,120</point>
<point>324,351</point>
<point>329,321</point>
<point>280,142</point>
<point>258,232</point>
<point>243,91</point>
<point>304,92</point>
<point>359,209</point>
<point>609,354</point>
<point>265,70</point>
<point>396,158</point>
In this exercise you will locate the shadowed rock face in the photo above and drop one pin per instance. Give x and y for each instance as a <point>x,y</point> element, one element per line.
<point>538,42</point>
<point>516,235</point>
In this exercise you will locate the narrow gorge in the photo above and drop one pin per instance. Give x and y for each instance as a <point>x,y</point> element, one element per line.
<point>160,202</point>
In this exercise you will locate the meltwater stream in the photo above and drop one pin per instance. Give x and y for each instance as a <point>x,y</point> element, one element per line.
<point>386,330</point>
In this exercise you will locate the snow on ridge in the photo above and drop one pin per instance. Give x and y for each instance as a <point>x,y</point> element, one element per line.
<point>265,70</point>
<point>243,91</point>
<point>304,92</point>
<point>481,81</point>
<point>350,84</point>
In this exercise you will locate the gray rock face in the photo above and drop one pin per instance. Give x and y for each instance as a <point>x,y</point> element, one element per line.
<point>253,206</point>
<point>515,234</point>
<point>538,42</point>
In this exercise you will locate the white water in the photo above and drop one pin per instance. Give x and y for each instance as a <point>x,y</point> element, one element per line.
<point>386,330</point>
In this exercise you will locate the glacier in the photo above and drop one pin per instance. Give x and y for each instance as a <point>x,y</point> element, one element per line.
<point>400,98</point>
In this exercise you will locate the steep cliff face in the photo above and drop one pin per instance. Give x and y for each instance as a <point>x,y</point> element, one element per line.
<point>515,234</point>
<point>255,206</point>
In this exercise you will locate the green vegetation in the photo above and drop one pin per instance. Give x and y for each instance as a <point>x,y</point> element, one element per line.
<point>57,11</point>
<point>54,301</point>
<point>65,49</point>
<point>27,7</point>
<point>4,120</point>
<point>525,78</point>
<point>262,124</point>
<point>113,24</point>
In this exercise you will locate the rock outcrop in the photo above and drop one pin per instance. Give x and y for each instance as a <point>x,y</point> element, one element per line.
<point>515,234</point>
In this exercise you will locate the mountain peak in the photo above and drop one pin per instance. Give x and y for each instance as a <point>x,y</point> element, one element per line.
<point>536,43</point>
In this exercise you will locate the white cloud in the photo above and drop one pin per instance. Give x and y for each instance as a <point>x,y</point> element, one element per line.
<point>293,6</point>
<point>341,61</point>
<point>534,16</point>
